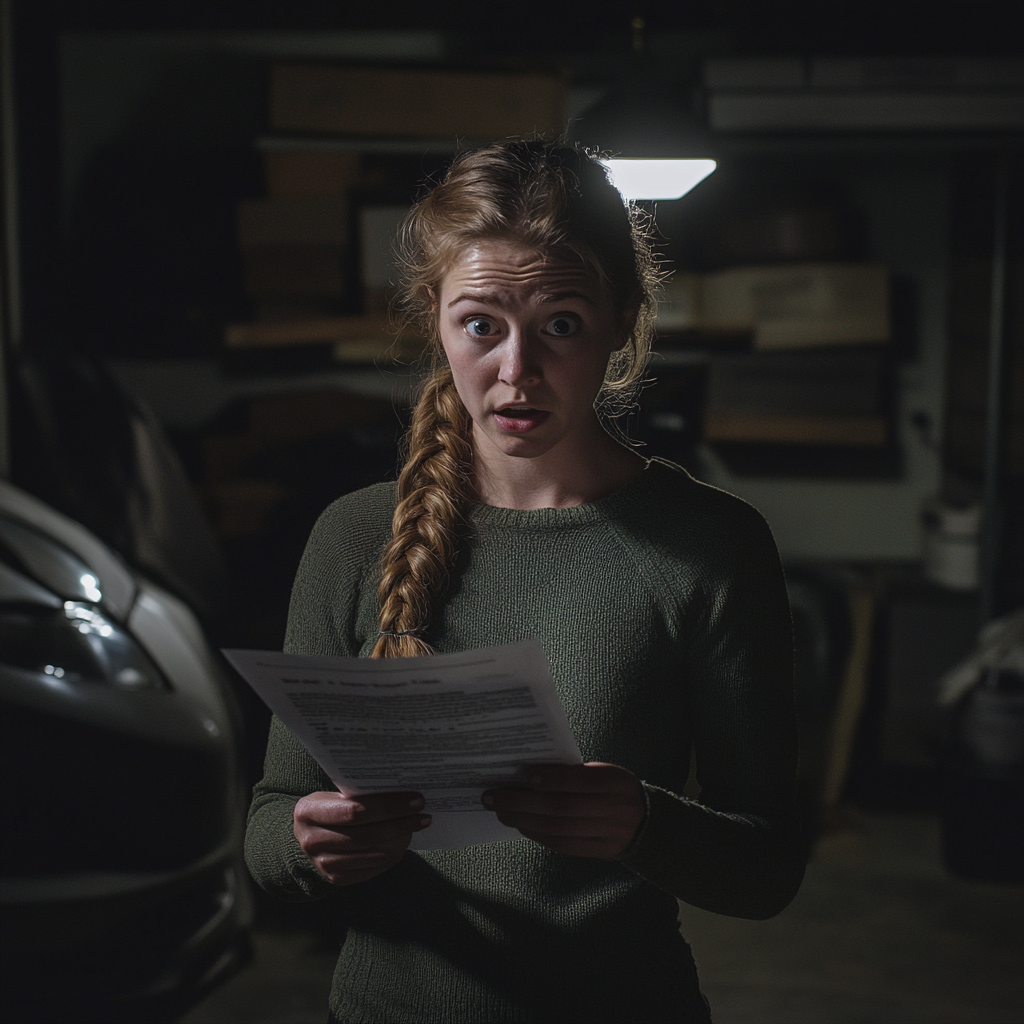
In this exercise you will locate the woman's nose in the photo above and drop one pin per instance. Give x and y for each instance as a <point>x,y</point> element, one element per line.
<point>519,363</point>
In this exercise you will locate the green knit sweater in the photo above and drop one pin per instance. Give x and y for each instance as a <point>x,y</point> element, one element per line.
<point>663,612</point>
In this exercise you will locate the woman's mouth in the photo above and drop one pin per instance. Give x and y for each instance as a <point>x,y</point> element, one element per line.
<point>518,419</point>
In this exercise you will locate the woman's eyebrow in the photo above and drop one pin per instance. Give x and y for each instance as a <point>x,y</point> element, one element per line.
<point>569,293</point>
<point>488,298</point>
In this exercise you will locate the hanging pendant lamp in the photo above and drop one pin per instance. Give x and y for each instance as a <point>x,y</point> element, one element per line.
<point>659,148</point>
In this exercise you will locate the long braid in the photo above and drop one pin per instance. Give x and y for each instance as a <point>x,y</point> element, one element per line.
<point>433,489</point>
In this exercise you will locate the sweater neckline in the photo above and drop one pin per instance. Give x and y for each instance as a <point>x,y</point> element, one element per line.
<point>573,515</point>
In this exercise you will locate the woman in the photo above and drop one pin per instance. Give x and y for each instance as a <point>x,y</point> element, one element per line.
<point>660,603</point>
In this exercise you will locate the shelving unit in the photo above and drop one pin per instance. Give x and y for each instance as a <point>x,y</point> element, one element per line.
<point>905,184</point>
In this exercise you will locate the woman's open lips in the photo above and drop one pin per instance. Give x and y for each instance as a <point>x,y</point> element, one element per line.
<point>518,419</point>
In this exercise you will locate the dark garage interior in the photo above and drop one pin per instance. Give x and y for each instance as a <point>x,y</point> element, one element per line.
<point>200,203</point>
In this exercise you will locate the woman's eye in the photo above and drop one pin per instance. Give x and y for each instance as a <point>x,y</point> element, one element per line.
<point>563,326</point>
<point>480,328</point>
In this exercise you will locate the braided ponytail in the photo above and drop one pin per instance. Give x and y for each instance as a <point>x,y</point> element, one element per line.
<point>433,489</point>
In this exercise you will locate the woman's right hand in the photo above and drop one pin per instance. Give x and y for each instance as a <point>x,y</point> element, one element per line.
<point>352,839</point>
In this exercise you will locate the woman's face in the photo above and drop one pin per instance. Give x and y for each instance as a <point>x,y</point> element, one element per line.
<point>528,343</point>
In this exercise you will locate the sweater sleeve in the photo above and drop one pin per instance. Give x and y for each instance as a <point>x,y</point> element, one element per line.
<point>321,621</point>
<point>737,850</point>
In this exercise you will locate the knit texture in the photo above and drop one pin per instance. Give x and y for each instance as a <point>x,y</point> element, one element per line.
<point>663,612</point>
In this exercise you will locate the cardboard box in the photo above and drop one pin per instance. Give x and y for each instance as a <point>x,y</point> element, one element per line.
<point>847,382</point>
<point>784,306</point>
<point>405,103</point>
<point>800,305</point>
<point>309,173</point>
<point>832,398</point>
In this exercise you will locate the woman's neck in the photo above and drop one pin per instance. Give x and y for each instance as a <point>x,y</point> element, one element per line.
<point>567,475</point>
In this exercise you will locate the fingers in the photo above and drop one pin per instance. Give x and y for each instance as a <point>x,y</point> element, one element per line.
<point>351,839</point>
<point>379,835</point>
<point>332,810</point>
<point>591,810</point>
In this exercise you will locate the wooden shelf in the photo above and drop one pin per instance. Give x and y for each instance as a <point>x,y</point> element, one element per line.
<point>356,339</point>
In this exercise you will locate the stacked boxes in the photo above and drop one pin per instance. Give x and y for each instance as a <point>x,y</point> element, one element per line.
<point>820,398</point>
<point>787,306</point>
<point>313,255</point>
<point>295,243</point>
<point>816,374</point>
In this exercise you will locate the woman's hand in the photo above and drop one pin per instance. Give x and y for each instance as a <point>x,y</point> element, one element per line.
<point>352,839</point>
<point>587,810</point>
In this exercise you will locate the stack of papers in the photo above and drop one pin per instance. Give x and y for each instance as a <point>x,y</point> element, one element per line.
<point>448,726</point>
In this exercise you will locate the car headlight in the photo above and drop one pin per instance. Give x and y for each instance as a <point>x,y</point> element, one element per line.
<point>75,643</point>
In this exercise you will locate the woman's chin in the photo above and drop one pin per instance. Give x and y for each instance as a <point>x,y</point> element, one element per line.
<point>517,443</point>
<point>523,447</point>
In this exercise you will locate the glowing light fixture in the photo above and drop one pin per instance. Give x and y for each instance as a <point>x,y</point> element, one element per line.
<point>658,147</point>
<point>657,179</point>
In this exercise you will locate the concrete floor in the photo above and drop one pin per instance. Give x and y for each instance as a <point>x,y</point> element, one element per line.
<point>879,934</point>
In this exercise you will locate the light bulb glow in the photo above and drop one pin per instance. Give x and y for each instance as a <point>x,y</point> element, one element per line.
<point>657,179</point>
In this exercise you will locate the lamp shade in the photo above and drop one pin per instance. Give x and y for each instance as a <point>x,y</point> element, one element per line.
<point>657,148</point>
<point>655,178</point>
<point>641,119</point>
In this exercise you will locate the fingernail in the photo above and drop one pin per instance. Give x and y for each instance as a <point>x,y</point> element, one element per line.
<point>487,799</point>
<point>425,820</point>
<point>416,803</point>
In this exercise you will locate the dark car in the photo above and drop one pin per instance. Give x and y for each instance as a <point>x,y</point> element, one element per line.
<point>123,894</point>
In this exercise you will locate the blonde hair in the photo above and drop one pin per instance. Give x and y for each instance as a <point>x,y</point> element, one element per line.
<point>552,198</point>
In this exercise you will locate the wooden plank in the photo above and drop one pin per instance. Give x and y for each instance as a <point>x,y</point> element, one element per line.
<point>356,339</point>
<point>326,329</point>
<point>851,696</point>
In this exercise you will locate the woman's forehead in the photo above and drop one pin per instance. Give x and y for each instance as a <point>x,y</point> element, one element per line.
<point>505,265</point>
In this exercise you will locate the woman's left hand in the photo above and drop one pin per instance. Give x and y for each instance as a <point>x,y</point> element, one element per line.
<point>587,810</point>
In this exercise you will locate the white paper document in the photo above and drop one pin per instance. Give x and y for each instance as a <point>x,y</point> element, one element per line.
<point>448,726</point>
